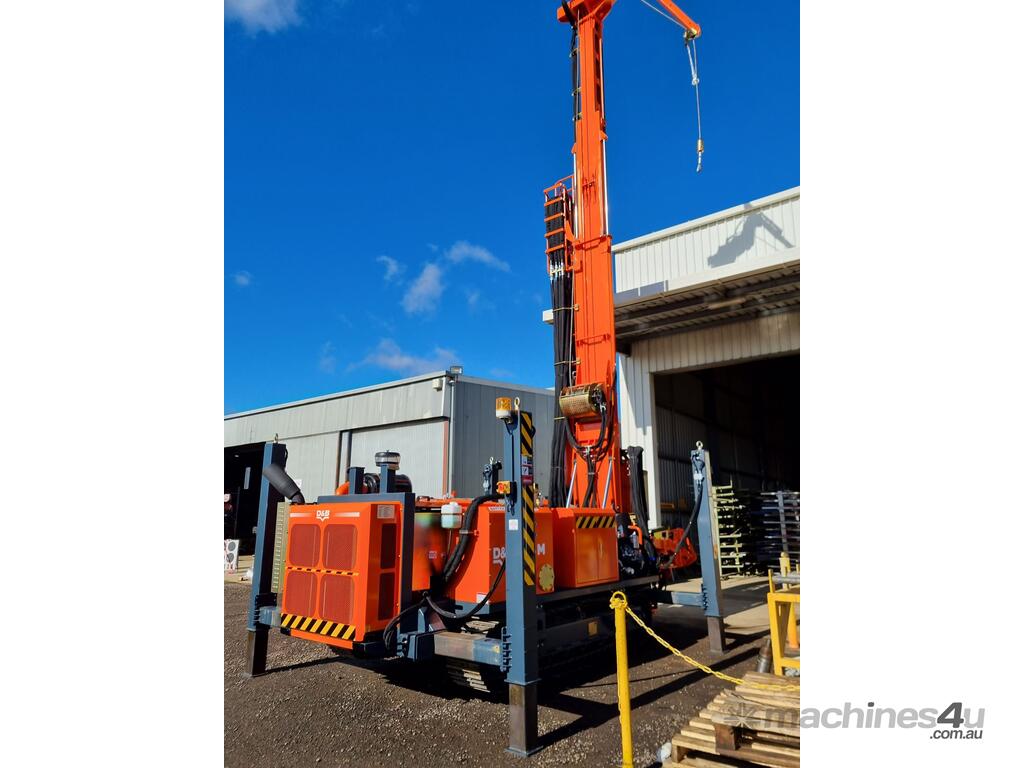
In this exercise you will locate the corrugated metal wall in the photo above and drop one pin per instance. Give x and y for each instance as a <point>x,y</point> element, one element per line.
<point>421,444</point>
<point>479,434</point>
<point>327,435</point>
<point>734,342</point>
<point>313,460</point>
<point>408,401</point>
<point>750,231</point>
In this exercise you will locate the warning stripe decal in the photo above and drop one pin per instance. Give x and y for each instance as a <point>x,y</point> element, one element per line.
<point>528,493</point>
<point>595,521</point>
<point>290,621</point>
<point>328,571</point>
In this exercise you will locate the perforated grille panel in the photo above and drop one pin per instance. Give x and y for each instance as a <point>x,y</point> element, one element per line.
<point>340,543</point>
<point>336,598</point>
<point>299,593</point>
<point>304,545</point>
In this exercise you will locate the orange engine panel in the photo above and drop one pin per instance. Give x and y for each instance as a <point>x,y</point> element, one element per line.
<point>586,547</point>
<point>342,570</point>
<point>485,555</point>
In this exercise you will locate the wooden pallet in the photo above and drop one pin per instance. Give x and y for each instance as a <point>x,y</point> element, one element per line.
<point>743,726</point>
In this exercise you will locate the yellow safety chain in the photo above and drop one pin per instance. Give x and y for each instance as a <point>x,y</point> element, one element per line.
<point>619,601</point>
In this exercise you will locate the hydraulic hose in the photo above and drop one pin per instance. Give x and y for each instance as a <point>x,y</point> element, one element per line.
<point>389,630</point>
<point>698,497</point>
<point>450,569</point>
<point>634,457</point>
<point>476,608</point>
<point>468,523</point>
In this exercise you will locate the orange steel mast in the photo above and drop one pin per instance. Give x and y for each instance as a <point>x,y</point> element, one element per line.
<point>591,267</point>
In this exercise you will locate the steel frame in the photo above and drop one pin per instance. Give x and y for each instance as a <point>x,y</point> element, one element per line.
<point>524,612</point>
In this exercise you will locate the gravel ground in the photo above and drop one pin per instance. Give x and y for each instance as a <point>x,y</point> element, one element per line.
<point>318,709</point>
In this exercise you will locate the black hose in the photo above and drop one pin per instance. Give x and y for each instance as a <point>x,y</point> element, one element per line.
<point>468,521</point>
<point>389,630</point>
<point>564,353</point>
<point>450,569</point>
<point>634,457</point>
<point>476,608</point>
<point>697,499</point>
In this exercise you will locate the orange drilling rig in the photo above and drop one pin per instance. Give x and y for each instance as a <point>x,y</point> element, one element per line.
<point>508,583</point>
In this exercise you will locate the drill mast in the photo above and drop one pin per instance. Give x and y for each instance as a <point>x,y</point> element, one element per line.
<point>580,264</point>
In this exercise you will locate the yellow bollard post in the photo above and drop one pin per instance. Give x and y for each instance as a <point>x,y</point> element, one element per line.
<point>622,673</point>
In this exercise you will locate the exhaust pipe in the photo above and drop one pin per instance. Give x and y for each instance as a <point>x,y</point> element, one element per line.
<point>287,487</point>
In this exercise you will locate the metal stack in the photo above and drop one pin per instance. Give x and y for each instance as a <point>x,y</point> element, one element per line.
<point>778,523</point>
<point>734,535</point>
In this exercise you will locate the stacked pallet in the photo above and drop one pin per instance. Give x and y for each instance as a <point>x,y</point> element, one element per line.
<point>736,542</point>
<point>743,726</point>
<point>778,524</point>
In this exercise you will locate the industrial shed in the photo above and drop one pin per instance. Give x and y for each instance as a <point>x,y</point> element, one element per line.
<point>442,424</point>
<point>707,319</point>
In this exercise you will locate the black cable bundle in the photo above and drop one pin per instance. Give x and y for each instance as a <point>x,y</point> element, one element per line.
<point>564,346</point>
<point>638,494</point>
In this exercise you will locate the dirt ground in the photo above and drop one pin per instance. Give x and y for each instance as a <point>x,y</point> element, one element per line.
<point>317,709</point>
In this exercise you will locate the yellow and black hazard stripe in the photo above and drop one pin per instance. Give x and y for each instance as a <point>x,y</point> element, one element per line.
<point>292,621</point>
<point>529,494</point>
<point>595,521</point>
<point>328,571</point>
<point>526,433</point>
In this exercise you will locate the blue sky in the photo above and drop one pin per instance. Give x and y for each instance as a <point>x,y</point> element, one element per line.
<point>384,162</point>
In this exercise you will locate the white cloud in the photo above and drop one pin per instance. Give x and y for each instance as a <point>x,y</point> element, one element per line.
<point>263,15</point>
<point>463,251</point>
<point>425,292</point>
<point>242,278</point>
<point>472,298</point>
<point>392,267</point>
<point>389,355</point>
<point>328,361</point>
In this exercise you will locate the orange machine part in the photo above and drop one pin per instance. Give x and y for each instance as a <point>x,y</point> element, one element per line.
<point>586,547</point>
<point>341,570</point>
<point>665,543</point>
<point>487,551</point>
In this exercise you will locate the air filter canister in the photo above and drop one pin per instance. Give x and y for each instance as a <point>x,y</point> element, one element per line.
<point>581,400</point>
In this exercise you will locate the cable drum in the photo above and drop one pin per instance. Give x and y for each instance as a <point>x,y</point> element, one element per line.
<point>581,400</point>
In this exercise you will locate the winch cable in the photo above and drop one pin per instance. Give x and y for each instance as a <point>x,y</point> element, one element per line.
<point>689,41</point>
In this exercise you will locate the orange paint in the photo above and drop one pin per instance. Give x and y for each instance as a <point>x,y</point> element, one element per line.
<point>343,560</point>
<point>589,250</point>
<point>665,543</point>
<point>584,556</point>
<point>342,564</point>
